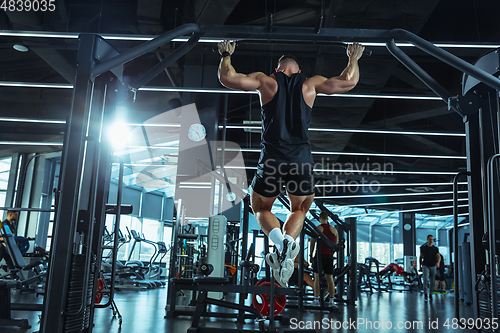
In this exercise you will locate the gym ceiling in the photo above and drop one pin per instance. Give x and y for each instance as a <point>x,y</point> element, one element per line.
<point>392,99</point>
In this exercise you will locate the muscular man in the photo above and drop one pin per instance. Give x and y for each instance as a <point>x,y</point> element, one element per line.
<point>324,254</point>
<point>287,97</point>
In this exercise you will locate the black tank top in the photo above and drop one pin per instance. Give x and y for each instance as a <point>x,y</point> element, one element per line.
<point>285,123</point>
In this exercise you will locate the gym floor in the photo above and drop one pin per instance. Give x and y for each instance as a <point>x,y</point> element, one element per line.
<point>144,311</point>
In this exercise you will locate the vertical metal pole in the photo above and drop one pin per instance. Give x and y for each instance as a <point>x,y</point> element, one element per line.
<point>272,324</point>
<point>223,155</point>
<point>455,241</point>
<point>301,271</point>
<point>244,227</point>
<point>492,193</point>
<point>171,296</point>
<point>68,206</point>
<point>353,281</point>
<point>475,195</point>
<point>340,265</point>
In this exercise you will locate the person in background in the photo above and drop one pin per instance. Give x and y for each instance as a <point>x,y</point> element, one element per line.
<point>398,270</point>
<point>325,255</point>
<point>440,278</point>
<point>429,262</point>
<point>295,276</point>
<point>10,221</point>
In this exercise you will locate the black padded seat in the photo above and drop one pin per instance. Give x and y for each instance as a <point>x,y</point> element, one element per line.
<point>246,263</point>
<point>187,236</point>
<point>182,280</point>
<point>211,280</point>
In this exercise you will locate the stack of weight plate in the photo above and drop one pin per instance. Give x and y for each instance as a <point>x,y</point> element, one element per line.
<point>77,323</point>
<point>484,299</point>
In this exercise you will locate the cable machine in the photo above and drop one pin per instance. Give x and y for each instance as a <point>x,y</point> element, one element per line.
<point>85,172</point>
<point>478,105</point>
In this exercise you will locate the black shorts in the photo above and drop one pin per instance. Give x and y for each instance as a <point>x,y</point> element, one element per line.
<point>270,178</point>
<point>439,275</point>
<point>294,279</point>
<point>326,264</point>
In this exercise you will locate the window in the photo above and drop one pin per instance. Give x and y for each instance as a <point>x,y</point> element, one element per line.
<point>4,178</point>
<point>381,251</point>
<point>363,251</point>
<point>151,232</point>
<point>398,251</point>
<point>132,223</point>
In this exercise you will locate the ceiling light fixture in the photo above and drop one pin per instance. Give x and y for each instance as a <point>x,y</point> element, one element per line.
<point>363,171</point>
<point>338,130</point>
<point>383,195</point>
<point>44,121</point>
<point>35,85</point>
<point>388,185</point>
<point>402,211</point>
<point>403,203</point>
<point>386,172</point>
<point>30,143</point>
<point>250,150</point>
<point>212,90</point>
<point>460,225</point>
<point>443,45</point>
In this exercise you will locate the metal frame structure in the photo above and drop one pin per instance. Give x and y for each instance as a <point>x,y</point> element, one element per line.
<point>80,214</point>
<point>479,108</point>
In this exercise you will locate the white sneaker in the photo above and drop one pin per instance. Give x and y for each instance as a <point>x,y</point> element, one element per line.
<point>291,250</point>
<point>274,262</point>
<point>286,271</point>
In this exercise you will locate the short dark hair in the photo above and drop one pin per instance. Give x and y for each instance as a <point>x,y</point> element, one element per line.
<point>12,211</point>
<point>288,57</point>
<point>323,215</point>
<point>430,236</point>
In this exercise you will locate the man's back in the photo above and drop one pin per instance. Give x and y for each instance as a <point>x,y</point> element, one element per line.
<point>285,121</point>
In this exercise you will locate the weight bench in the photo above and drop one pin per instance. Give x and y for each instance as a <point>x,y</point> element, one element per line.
<point>5,299</point>
<point>18,259</point>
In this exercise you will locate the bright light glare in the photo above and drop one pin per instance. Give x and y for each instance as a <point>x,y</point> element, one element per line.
<point>118,134</point>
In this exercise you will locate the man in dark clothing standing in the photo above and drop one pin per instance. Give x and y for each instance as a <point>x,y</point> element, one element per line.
<point>429,260</point>
<point>10,221</point>
<point>287,97</point>
<point>325,254</point>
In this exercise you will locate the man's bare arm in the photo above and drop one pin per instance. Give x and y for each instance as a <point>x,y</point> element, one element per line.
<point>336,233</point>
<point>228,76</point>
<point>311,247</point>
<point>346,80</point>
